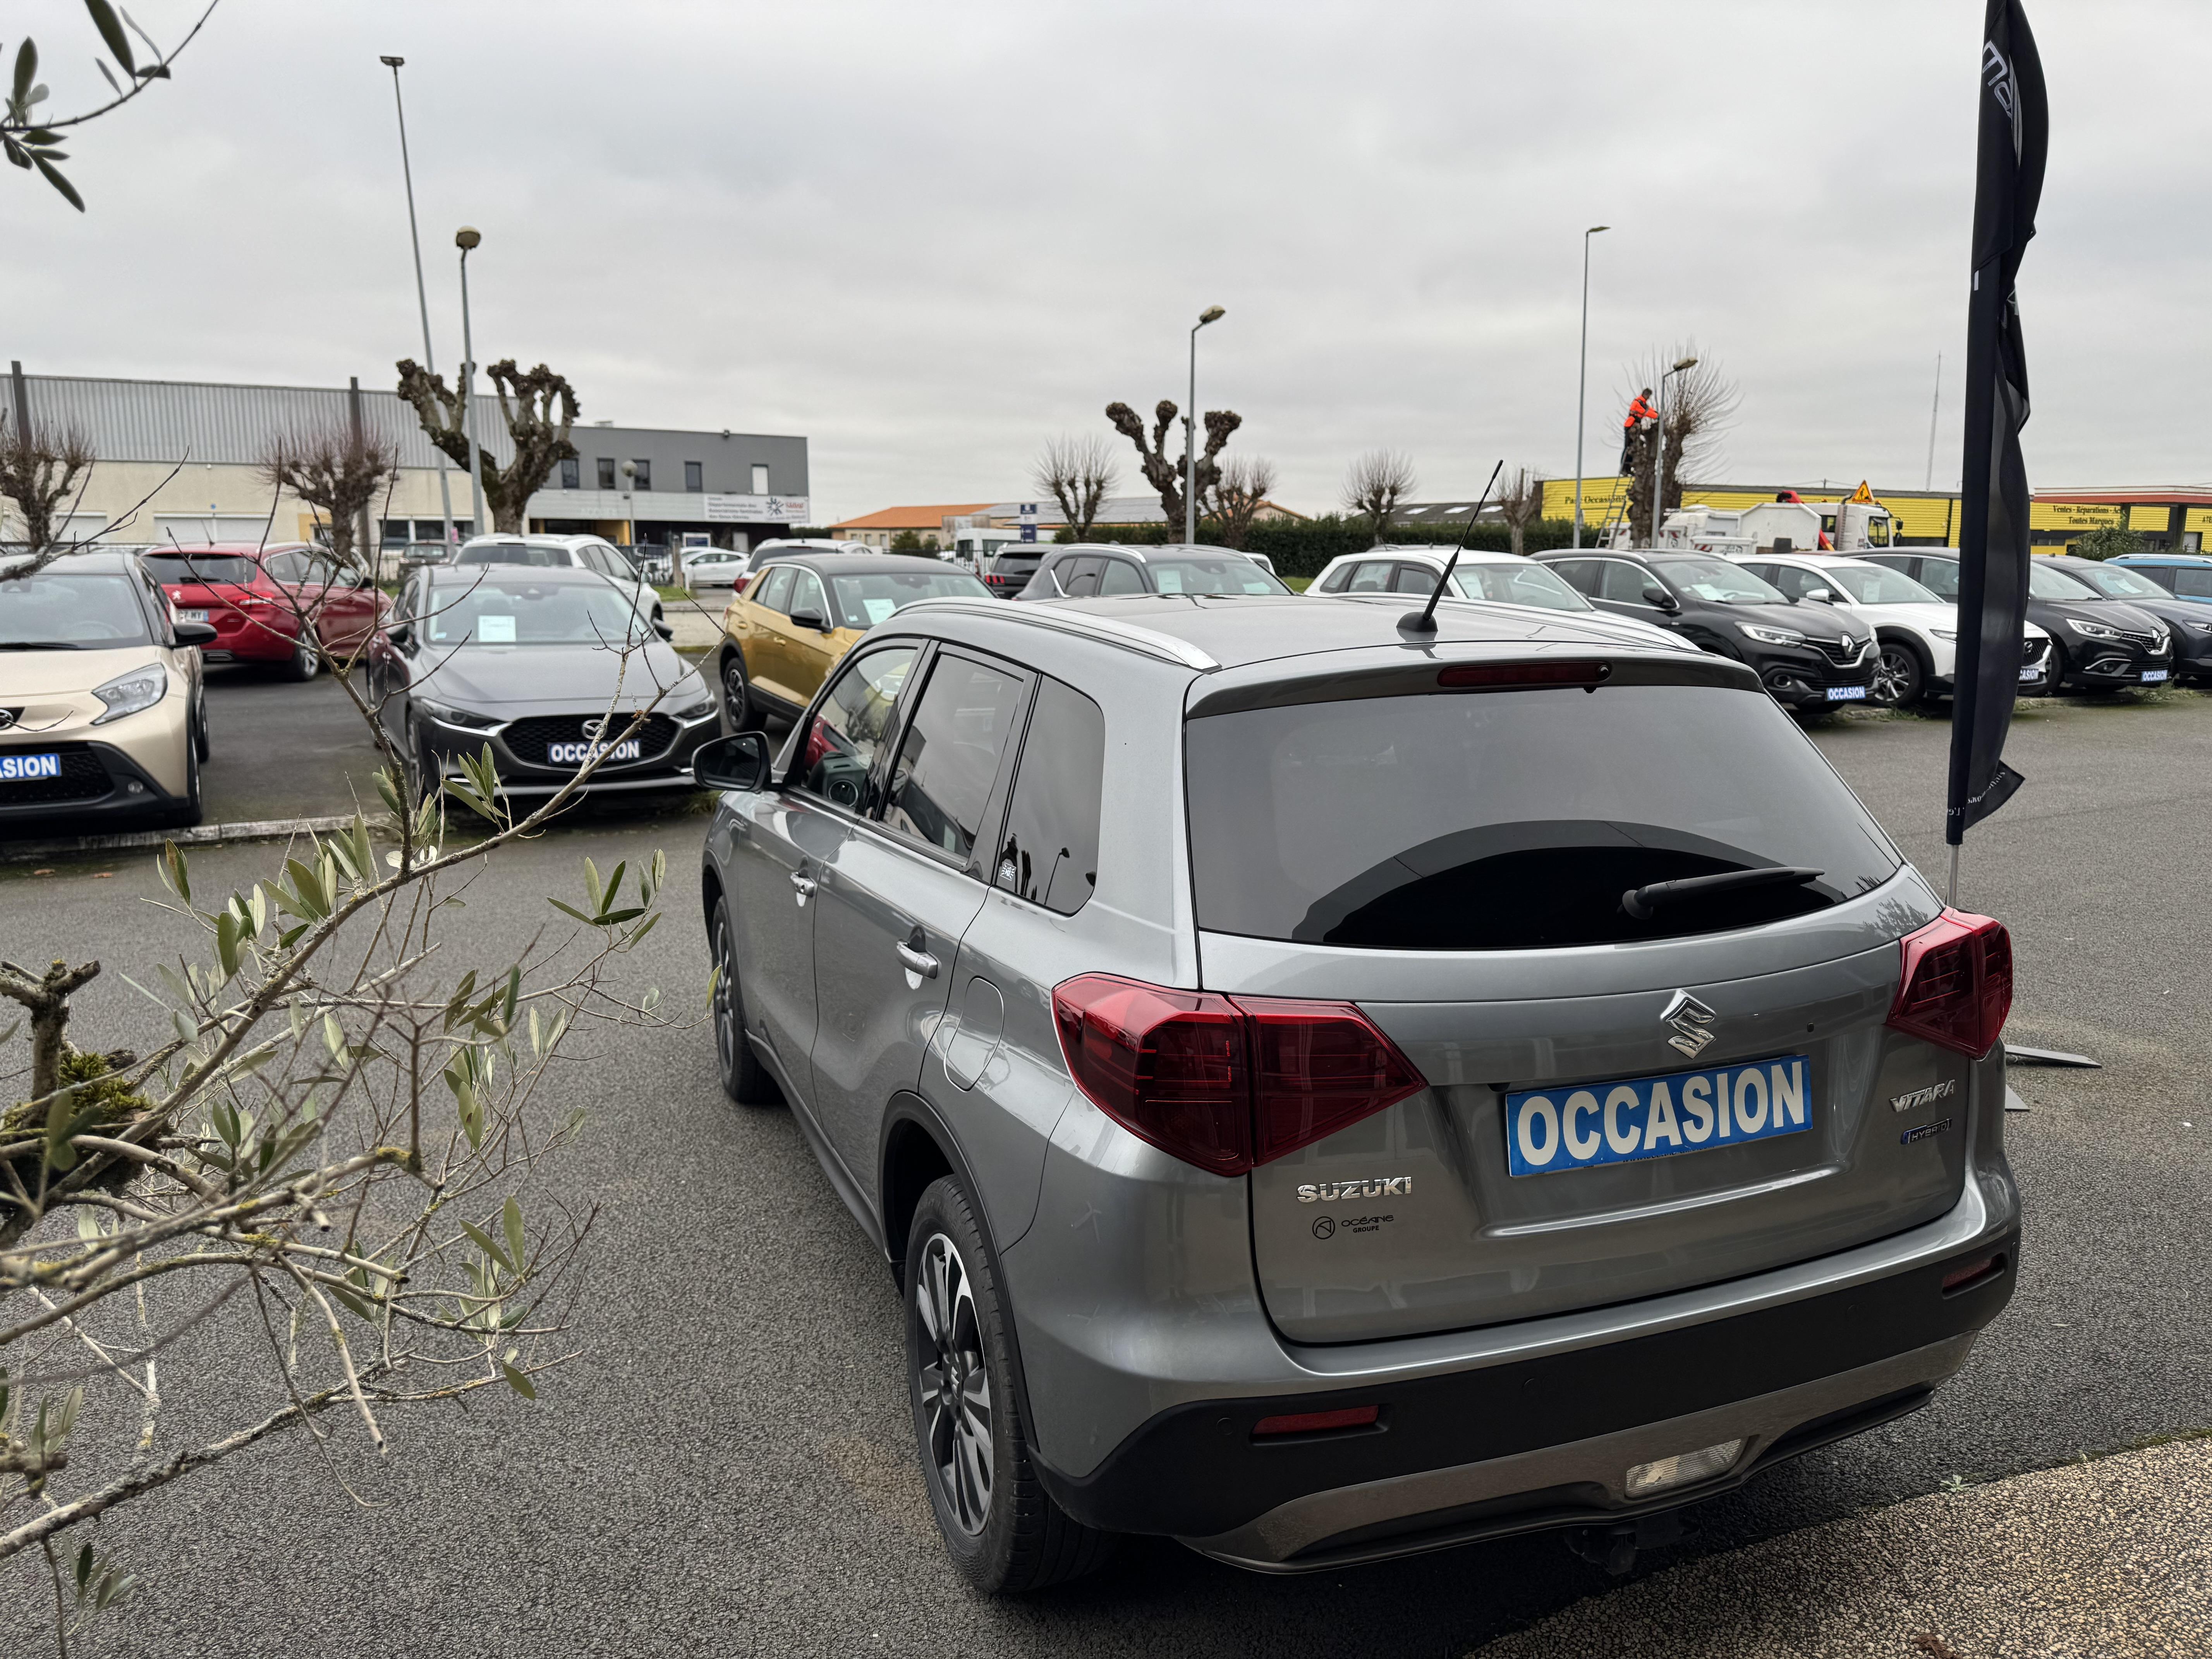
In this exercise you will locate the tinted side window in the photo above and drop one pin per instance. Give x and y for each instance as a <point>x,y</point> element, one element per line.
<point>1624,583</point>
<point>1049,855</point>
<point>286,567</point>
<point>1372,576</point>
<point>1078,577</point>
<point>1789,578</point>
<point>1581,575</point>
<point>773,589</point>
<point>1121,576</point>
<point>850,729</point>
<point>806,595</point>
<point>1414,578</point>
<point>950,756</point>
<point>2189,583</point>
<point>1939,577</point>
<point>1336,578</point>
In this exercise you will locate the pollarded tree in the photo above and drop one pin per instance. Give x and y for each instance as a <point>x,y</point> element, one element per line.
<point>39,466</point>
<point>1521,502</point>
<point>1165,473</point>
<point>1696,405</point>
<point>1376,486</point>
<point>1079,473</point>
<point>1238,498</point>
<point>539,410</point>
<point>339,472</point>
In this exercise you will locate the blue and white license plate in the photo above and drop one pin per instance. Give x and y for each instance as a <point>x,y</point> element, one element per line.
<point>2031,671</point>
<point>25,768</point>
<point>2153,676</point>
<point>1547,1130</point>
<point>575,754</point>
<point>1846,693</point>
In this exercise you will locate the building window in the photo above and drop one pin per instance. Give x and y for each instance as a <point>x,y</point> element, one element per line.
<point>643,470</point>
<point>572,473</point>
<point>760,479</point>
<point>695,477</point>
<point>607,472</point>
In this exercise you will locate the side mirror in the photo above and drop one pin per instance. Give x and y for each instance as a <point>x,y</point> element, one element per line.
<point>1659,597</point>
<point>402,634</point>
<point>1821,594</point>
<point>663,630</point>
<point>809,619</point>
<point>194,633</point>
<point>738,763</point>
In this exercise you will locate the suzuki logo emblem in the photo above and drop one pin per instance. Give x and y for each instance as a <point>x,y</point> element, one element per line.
<point>1691,1022</point>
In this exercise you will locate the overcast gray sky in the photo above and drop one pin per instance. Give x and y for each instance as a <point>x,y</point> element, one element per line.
<point>928,236</point>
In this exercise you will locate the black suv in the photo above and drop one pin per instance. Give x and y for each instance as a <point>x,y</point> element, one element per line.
<point>2097,644</point>
<point>2189,623</point>
<point>1809,656</point>
<point>1100,570</point>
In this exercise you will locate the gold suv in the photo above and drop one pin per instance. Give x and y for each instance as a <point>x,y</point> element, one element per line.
<point>103,713</point>
<point>798,617</point>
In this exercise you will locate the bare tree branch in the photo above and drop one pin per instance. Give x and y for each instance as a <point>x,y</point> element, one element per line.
<point>1079,474</point>
<point>1376,486</point>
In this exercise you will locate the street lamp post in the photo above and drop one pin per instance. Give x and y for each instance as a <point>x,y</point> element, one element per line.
<point>1659,455</point>
<point>1210,314</point>
<point>467,239</point>
<point>422,297</point>
<point>1582,382</point>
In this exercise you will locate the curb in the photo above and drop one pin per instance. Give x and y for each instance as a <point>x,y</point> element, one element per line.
<point>203,835</point>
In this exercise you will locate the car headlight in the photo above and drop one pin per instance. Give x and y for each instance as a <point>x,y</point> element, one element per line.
<point>446,714</point>
<point>692,701</point>
<point>127,694</point>
<point>2089,631</point>
<point>1773,635</point>
<point>1944,633</point>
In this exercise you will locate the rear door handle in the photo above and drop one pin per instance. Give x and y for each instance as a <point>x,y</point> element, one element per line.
<point>917,962</point>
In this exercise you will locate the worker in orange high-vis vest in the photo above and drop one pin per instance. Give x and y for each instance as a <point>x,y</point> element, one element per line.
<point>1640,411</point>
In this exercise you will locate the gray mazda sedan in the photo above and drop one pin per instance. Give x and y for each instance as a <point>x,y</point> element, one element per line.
<point>1325,1092</point>
<point>547,668</point>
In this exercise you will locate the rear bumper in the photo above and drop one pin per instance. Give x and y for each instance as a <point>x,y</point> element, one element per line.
<point>269,635</point>
<point>1544,1442</point>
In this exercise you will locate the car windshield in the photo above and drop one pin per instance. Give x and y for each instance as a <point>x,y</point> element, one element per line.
<point>1719,582</point>
<point>1198,574</point>
<point>864,601</point>
<point>2048,581</point>
<point>2117,584</point>
<point>1514,584</point>
<point>546,558</point>
<point>56,610</point>
<point>174,568</point>
<point>1514,820</point>
<point>509,612</point>
<point>1872,585</point>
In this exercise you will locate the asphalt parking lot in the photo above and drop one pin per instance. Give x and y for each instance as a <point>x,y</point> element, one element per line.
<point>727,1468</point>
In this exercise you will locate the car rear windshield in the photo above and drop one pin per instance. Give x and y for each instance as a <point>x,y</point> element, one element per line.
<point>86,613</point>
<point>546,558</point>
<point>174,568</point>
<point>1198,575</point>
<point>1009,563</point>
<point>864,601</point>
<point>1513,820</point>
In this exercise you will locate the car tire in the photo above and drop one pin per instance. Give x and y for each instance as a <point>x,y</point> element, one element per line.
<point>999,1525</point>
<point>201,743</point>
<point>744,1080</point>
<point>304,661</point>
<point>740,709</point>
<point>1900,676</point>
<point>189,810</point>
<point>419,780</point>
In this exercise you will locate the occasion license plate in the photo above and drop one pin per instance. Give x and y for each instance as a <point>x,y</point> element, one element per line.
<point>1846,693</point>
<point>1548,1130</point>
<point>23,769</point>
<point>576,754</point>
<point>2153,676</point>
<point>2031,671</point>
<point>192,615</point>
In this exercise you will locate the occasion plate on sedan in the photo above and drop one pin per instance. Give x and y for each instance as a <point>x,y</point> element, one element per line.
<point>1547,1130</point>
<point>22,768</point>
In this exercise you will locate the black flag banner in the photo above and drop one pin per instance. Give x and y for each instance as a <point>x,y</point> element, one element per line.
<point>2015,132</point>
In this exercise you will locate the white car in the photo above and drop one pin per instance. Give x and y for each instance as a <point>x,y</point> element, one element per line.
<point>714,567</point>
<point>1491,578</point>
<point>565,553</point>
<point>1916,629</point>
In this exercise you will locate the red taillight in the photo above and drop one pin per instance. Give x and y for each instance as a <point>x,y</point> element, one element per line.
<point>1351,1417</point>
<point>1225,1083</point>
<point>1510,674</point>
<point>1974,1273</point>
<point>740,584</point>
<point>1956,989</point>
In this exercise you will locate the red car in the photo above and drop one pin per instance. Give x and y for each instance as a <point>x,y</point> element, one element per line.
<point>254,598</point>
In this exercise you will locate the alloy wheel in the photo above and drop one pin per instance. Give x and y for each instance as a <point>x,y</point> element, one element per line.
<point>954,1383</point>
<point>727,1033</point>
<point>1893,674</point>
<point>735,698</point>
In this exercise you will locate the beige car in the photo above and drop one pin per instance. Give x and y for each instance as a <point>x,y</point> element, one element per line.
<point>103,711</point>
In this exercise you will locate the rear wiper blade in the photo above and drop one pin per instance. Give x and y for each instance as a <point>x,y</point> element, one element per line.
<point>1646,901</point>
<point>39,645</point>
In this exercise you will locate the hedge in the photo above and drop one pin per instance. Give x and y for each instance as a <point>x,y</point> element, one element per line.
<point>1301,547</point>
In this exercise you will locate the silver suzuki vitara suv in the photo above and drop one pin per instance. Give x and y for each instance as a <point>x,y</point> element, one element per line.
<point>1325,1092</point>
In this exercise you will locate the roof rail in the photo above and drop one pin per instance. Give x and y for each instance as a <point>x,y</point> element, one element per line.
<point>1109,630</point>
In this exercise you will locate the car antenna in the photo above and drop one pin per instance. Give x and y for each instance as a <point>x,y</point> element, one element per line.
<point>1423,621</point>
